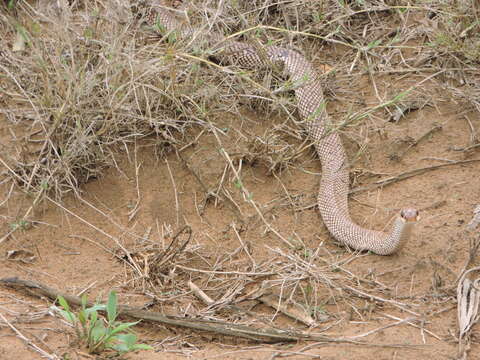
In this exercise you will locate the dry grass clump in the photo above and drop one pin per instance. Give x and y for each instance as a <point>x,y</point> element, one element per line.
<point>79,85</point>
<point>456,37</point>
<point>83,80</point>
<point>453,44</point>
<point>83,83</point>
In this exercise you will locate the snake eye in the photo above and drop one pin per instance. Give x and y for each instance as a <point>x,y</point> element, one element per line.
<point>409,214</point>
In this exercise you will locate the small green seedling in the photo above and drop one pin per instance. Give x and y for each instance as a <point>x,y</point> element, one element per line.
<point>21,225</point>
<point>99,334</point>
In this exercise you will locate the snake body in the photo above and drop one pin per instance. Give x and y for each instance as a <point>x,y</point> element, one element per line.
<point>334,185</point>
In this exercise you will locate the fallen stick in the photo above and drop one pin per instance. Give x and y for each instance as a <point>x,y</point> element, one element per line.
<point>406,175</point>
<point>393,179</point>
<point>415,142</point>
<point>293,310</point>
<point>266,335</point>
<point>200,294</point>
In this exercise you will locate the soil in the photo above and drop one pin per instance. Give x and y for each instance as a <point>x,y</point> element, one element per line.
<point>71,245</point>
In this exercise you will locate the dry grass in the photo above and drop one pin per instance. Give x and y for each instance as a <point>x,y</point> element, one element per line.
<point>87,88</point>
<point>96,85</point>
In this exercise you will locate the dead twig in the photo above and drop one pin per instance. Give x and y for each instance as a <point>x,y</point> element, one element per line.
<point>265,335</point>
<point>295,311</point>
<point>175,247</point>
<point>200,294</point>
<point>406,175</point>
<point>409,321</point>
<point>415,142</point>
<point>400,321</point>
<point>365,295</point>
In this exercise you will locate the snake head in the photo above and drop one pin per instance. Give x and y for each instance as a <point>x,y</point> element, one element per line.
<point>410,215</point>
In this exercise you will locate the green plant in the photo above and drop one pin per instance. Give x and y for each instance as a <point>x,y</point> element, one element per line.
<point>99,334</point>
<point>21,224</point>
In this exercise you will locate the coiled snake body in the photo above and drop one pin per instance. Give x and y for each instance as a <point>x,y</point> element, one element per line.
<point>334,185</point>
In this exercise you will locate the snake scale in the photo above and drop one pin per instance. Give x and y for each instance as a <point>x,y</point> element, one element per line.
<point>334,184</point>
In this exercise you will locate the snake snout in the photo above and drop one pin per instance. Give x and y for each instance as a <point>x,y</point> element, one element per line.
<point>410,214</point>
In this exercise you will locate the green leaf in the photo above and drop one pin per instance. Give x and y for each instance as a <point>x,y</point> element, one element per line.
<point>88,33</point>
<point>141,347</point>
<point>69,316</point>
<point>98,333</point>
<point>84,301</point>
<point>82,317</point>
<point>112,307</point>
<point>93,309</point>
<point>122,327</point>
<point>398,97</point>
<point>162,29</point>
<point>93,317</point>
<point>122,348</point>
<point>128,339</point>
<point>95,333</point>
<point>61,300</point>
<point>36,28</point>
<point>318,16</point>
<point>128,343</point>
<point>373,44</point>
<point>172,37</point>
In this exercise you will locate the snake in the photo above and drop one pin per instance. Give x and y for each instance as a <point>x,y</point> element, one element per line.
<point>334,188</point>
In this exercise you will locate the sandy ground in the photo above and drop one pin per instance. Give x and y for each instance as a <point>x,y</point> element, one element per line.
<point>68,256</point>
